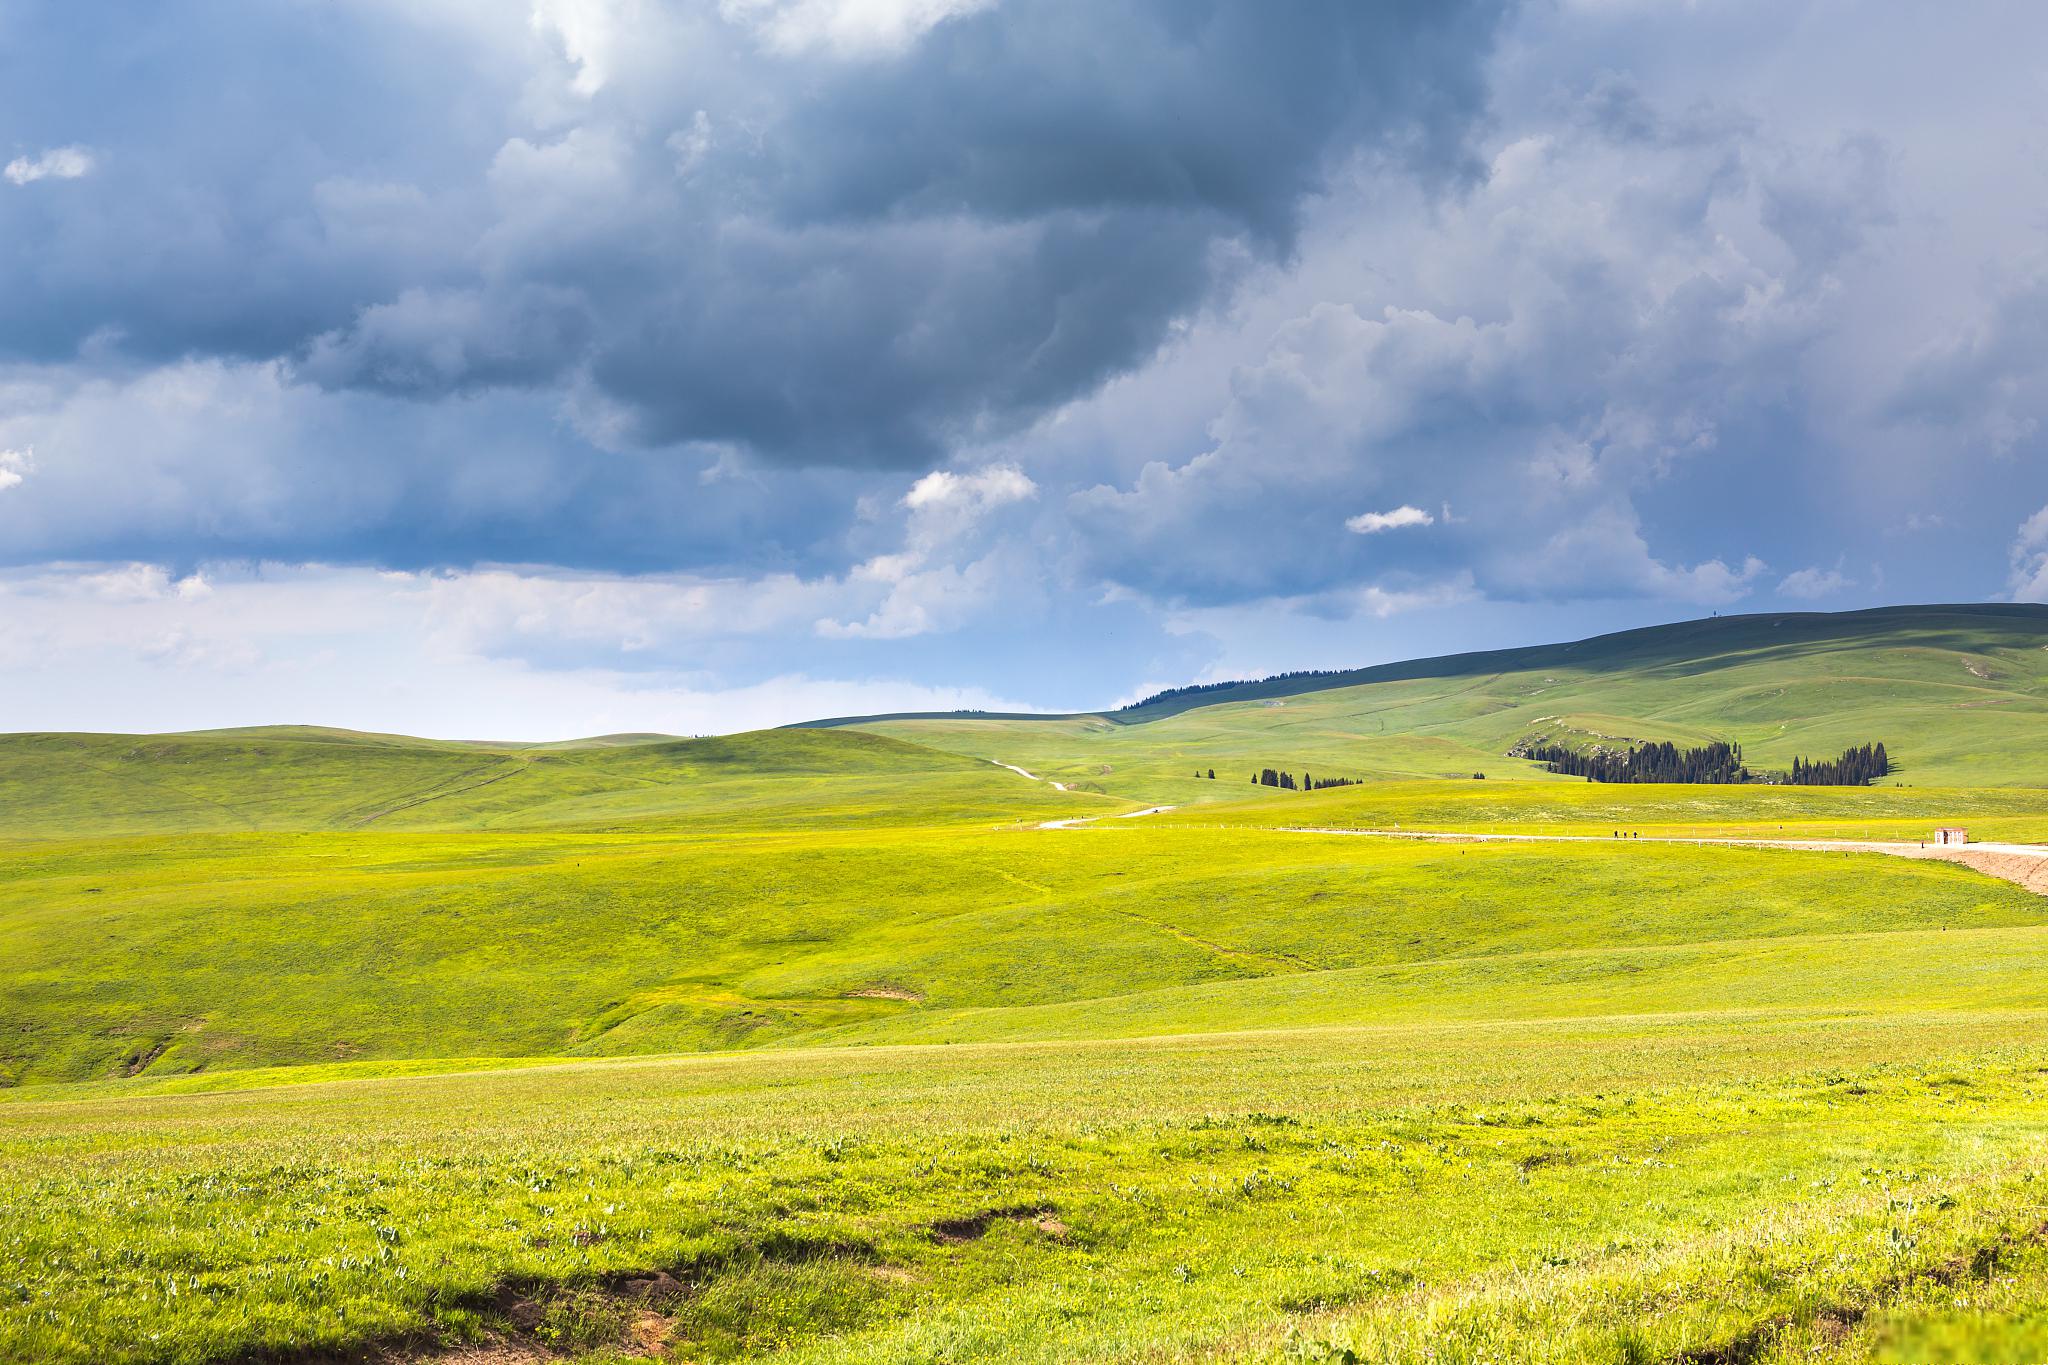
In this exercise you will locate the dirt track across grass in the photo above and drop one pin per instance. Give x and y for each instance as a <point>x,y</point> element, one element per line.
<point>2023,864</point>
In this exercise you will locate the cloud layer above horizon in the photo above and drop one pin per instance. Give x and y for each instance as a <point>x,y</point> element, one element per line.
<point>691,364</point>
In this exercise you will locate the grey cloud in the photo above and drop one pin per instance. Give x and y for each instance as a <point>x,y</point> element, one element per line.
<point>429,343</point>
<point>862,262</point>
<point>2029,554</point>
<point>882,347</point>
<point>1627,289</point>
<point>647,290</point>
<point>1985,381</point>
<point>1200,106</point>
<point>207,460</point>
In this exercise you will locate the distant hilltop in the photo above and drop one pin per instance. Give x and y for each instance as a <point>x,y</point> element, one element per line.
<point>1700,642</point>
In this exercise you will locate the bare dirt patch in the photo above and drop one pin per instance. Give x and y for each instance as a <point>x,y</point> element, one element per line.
<point>2020,868</point>
<point>1834,1322</point>
<point>903,993</point>
<point>140,1062</point>
<point>975,1226</point>
<point>501,1354</point>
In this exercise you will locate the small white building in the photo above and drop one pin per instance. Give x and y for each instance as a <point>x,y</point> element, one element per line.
<point>1950,834</point>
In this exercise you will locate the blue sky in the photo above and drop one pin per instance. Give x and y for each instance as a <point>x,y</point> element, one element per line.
<point>528,368</point>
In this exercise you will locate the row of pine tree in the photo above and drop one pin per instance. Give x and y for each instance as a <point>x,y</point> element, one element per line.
<point>1711,763</point>
<point>1855,768</point>
<point>1658,762</point>
<point>1272,777</point>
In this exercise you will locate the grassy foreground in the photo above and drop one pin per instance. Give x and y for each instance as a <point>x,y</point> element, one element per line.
<point>1616,1190</point>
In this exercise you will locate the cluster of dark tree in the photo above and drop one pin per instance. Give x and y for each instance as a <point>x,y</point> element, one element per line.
<point>1212,774</point>
<point>1715,762</point>
<point>1191,690</point>
<point>1197,689</point>
<point>1855,768</point>
<point>1270,777</point>
<point>1659,762</point>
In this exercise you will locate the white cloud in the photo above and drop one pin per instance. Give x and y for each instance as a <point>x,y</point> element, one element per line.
<point>990,487</point>
<point>592,34</point>
<point>1381,603</point>
<point>844,28</point>
<point>929,591</point>
<point>1604,554</point>
<point>130,647</point>
<point>2030,559</point>
<point>128,583</point>
<point>920,601</point>
<point>943,503</point>
<point>519,612</point>
<point>14,467</point>
<point>1372,523</point>
<point>1814,583</point>
<point>59,163</point>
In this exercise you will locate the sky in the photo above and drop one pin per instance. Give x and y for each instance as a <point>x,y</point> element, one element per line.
<point>537,368</point>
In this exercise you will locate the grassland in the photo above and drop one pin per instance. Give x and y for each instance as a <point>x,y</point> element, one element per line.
<point>158,955</point>
<point>1600,809</point>
<point>1958,694</point>
<point>1602,1190</point>
<point>815,1046</point>
<point>298,779</point>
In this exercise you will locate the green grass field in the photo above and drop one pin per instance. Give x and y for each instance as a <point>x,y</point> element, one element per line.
<point>815,1046</point>
<point>1958,694</point>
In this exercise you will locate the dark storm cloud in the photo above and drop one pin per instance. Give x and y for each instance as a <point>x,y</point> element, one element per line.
<point>819,257</point>
<point>1200,106</point>
<point>257,171</point>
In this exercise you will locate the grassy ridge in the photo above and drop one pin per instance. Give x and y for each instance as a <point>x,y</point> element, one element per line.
<point>299,779</point>
<point>1959,694</point>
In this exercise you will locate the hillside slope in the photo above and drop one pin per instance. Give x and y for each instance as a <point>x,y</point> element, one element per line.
<point>171,954</point>
<point>301,778</point>
<point>1959,695</point>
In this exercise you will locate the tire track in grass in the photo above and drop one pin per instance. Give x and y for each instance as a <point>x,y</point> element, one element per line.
<point>445,791</point>
<point>1276,964</point>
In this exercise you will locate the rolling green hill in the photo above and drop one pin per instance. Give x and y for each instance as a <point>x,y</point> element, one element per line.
<point>303,778</point>
<point>1958,694</point>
